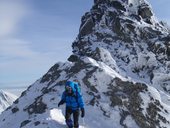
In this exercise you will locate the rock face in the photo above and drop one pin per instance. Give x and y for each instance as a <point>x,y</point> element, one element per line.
<point>136,41</point>
<point>121,58</point>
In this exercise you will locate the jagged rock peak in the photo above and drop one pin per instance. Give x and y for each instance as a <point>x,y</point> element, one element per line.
<point>110,21</point>
<point>134,6</point>
<point>129,37</point>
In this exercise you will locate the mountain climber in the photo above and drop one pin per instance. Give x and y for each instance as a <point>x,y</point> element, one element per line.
<point>74,103</point>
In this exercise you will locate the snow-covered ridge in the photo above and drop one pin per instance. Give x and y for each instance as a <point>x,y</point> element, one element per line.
<point>115,101</point>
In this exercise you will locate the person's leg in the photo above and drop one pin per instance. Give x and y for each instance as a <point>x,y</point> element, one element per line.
<point>76,118</point>
<point>68,118</point>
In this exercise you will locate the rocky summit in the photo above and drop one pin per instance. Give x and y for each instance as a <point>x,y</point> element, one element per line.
<point>121,58</point>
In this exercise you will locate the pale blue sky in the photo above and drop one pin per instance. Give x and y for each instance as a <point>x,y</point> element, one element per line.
<point>35,34</point>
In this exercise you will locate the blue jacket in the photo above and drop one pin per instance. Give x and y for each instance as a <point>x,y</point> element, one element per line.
<point>73,101</point>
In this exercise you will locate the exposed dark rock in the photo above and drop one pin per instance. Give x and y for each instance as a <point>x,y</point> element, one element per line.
<point>145,12</point>
<point>123,114</point>
<point>130,91</point>
<point>16,101</point>
<point>25,122</point>
<point>87,83</point>
<point>117,5</point>
<point>23,93</point>
<point>8,108</point>
<point>52,74</point>
<point>73,58</point>
<point>92,101</point>
<point>99,1</point>
<point>97,13</point>
<point>36,123</point>
<point>15,109</point>
<point>153,114</point>
<point>38,107</point>
<point>87,27</point>
<point>97,54</point>
<point>166,38</point>
<point>79,65</point>
<point>116,27</point>
<point>136,17</point>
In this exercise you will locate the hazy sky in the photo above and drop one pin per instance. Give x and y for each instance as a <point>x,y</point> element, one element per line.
<point>35,34</point>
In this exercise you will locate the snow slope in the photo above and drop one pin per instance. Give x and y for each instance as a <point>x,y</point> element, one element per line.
<point>110,102</point>
<point>121,59</point>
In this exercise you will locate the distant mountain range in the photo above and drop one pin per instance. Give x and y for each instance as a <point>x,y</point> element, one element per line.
<point>14,90</point>
<point>6,99</point>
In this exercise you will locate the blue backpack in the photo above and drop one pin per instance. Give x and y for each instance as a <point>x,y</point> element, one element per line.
<point>77,87</point>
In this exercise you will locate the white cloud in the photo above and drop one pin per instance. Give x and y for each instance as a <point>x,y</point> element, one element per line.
<point>14,48</point>
<point>11,13</point>
<point>19,61</point>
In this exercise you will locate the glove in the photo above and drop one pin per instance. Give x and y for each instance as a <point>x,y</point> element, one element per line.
<point>60,103</point>
<point>82,112</point>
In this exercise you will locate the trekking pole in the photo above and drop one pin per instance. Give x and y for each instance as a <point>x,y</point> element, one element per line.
<point>83,123</point>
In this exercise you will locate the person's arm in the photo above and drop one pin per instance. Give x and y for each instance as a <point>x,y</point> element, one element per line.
<point>62,101</point>
<point>80,101</point>
<point>81,104</point>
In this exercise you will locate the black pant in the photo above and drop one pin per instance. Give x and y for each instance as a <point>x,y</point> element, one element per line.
<point>75,113</point>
